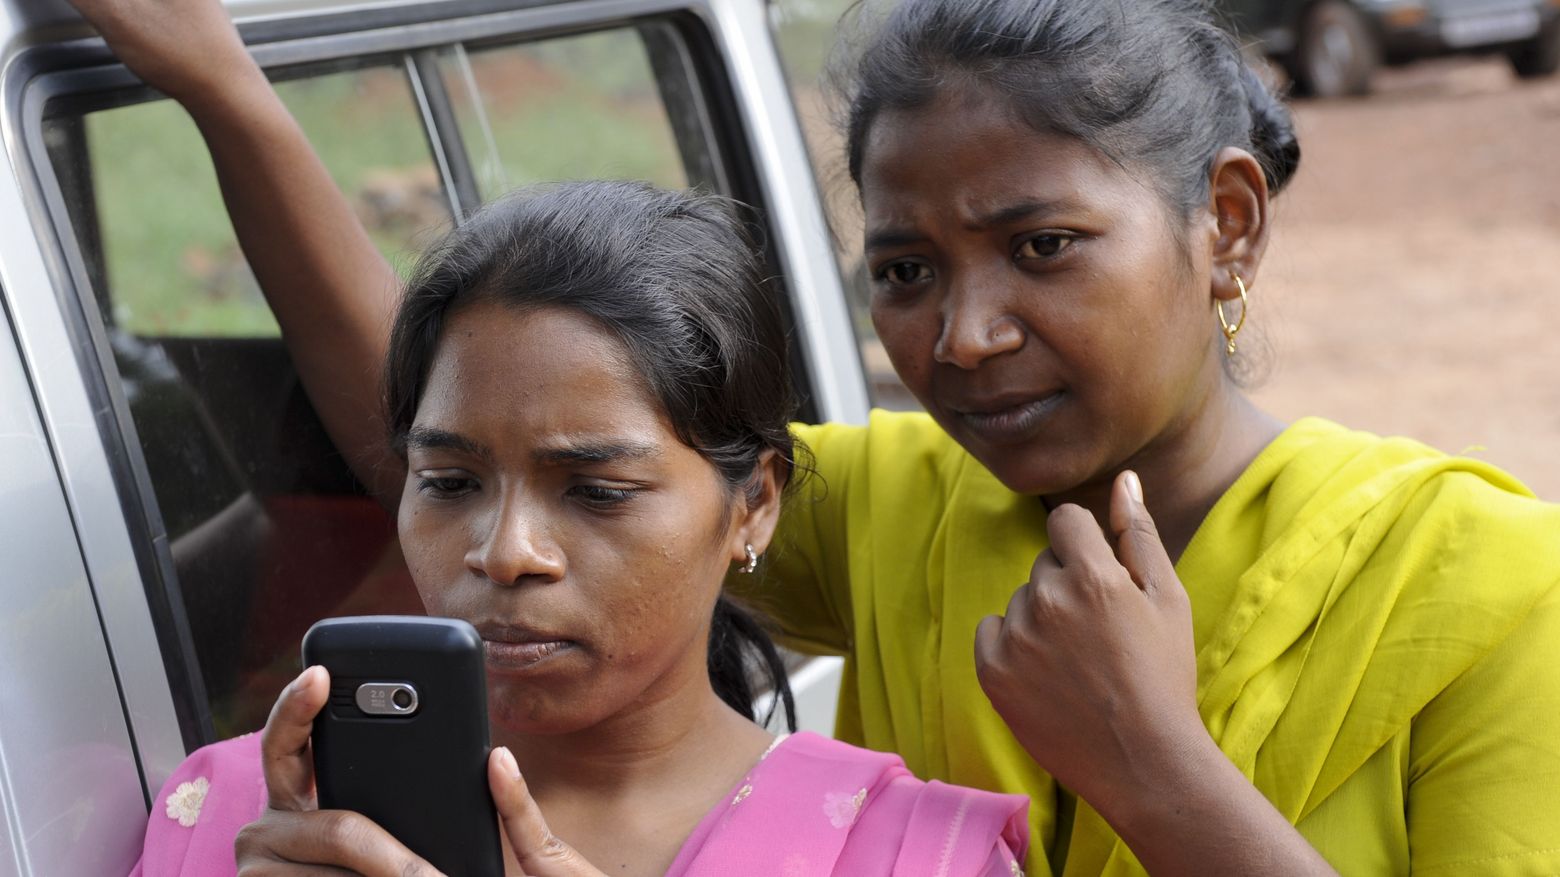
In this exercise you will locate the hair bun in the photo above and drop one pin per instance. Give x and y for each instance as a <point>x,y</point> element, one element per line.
<point>1273,137</point>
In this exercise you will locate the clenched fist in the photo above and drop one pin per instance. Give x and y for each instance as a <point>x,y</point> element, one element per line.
<point>1093,666</point>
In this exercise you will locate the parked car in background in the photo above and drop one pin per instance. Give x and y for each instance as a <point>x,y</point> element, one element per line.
<point>172,516</point>
<point>1332,47</point>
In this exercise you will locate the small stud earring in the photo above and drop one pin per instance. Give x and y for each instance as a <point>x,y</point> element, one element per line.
<point>1224,323</point>
<point>752,560</point>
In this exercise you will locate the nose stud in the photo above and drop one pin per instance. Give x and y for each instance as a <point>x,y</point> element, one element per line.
<point>967,349</point>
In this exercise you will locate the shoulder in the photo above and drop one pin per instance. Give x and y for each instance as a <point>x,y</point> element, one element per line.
<point>1453,552</point>
<point>810,749</point>
<point>884,806</point>
<point>892,448</point>
<point>909,433</point>
<point>1318,469</point>
<point>876,775</point>
<point>216,791</point>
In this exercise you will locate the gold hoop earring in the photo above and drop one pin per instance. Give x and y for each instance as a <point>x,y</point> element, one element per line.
<point>1224,323</point>
<point>752,560</point>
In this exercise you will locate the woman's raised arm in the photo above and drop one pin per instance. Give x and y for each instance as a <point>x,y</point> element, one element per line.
<point>332,292</point>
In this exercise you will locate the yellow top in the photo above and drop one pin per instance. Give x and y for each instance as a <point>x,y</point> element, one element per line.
<point>1377,623</point>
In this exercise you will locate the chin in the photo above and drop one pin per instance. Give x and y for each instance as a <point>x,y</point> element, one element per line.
<point>1025,482</point>
<point>531,709</point>
<point>1034,469</point>
<point>1040,464</point>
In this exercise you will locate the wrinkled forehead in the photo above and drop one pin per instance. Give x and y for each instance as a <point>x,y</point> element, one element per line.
<point>973,134</point>
<point>975,163</point>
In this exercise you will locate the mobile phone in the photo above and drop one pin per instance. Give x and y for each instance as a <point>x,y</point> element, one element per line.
<point>403,739</point>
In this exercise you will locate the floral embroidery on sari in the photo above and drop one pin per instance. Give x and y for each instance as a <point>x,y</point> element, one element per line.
<point>184,804</point>
<point>842,809</point>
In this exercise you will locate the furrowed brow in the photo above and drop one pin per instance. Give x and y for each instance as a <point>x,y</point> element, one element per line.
<point>891,239</point>
<point>597,452</point>
<point>426,438</point>
<point>1016,212</point>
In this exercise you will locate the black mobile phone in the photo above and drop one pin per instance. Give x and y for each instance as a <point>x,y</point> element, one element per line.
<point>403,739</point>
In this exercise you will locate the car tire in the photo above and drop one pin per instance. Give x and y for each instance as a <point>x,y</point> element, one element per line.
<point>1539,56</point>
<point>1336,53</point>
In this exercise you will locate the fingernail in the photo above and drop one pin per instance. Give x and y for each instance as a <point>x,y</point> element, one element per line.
<point>506,760</point>
<point>1134,486</point>
<point>301,680</point>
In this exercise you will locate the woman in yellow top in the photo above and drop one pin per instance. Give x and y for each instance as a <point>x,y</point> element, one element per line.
<point>1202,641</point>
<point>1066,206</point>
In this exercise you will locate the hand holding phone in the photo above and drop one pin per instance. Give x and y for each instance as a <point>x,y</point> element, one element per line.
<point>292,835</point>
<point>403,738</point>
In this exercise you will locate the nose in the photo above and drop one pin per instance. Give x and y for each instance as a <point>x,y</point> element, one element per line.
<point>514,546</point>
<point>975,327</point>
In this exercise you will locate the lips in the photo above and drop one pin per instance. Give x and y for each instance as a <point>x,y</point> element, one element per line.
<point>512,647</point>
<point>1008,418</point>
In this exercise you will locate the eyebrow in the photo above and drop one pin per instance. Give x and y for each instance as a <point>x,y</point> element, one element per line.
<point>890,238</point>
<point>1020,210</point>
<point>424,438</point>
<point>429,438</point>
<point>597,452</point>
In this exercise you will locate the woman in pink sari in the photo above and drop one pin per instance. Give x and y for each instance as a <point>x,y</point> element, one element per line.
<point>810,806</point>
<point>589,389</point>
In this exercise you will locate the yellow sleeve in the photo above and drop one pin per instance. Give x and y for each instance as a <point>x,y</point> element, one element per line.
<point>804,586</point>
<point>1484,768</point>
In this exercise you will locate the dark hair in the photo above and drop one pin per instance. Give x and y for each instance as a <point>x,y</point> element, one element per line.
<point>1156,84</point>
<point>678,280</point>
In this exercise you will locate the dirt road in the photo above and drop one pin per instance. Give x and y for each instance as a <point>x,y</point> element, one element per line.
<point>1413,283</point>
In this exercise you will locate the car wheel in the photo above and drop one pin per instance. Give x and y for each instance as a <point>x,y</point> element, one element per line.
<point>1539,56</point>
<point>1337,52</point>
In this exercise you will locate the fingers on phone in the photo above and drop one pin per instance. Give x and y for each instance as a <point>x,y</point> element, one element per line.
<point>284,744</point>
<point>325,842</point>
<point>539,852</point>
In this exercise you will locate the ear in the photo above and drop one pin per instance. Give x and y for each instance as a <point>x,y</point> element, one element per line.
<point>1238,204</point>
<point>758,507</point>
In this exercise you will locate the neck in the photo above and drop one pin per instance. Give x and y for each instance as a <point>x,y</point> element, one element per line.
<point>627,791</point>
<point>678,731</point>
<point>1188,467</point>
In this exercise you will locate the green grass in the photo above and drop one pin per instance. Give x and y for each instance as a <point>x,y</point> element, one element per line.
<point>548,123</point>
<point>172,259</point>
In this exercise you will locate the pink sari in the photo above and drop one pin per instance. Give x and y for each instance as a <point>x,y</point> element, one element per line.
<point>812,807</point>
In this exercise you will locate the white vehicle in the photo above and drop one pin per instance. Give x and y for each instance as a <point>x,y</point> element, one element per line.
<point>172,516</point>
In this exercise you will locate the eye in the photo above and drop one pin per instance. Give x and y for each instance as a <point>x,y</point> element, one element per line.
<point>903,273</point>
<point>1043,246</point>
<point>445,486</point>
<point>602,497</point>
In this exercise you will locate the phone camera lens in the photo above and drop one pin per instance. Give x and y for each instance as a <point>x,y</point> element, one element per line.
<point>387,698</point>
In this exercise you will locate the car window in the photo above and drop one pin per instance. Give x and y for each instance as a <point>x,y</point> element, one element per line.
<point>266,530</point>
<point>170,262</point>
<point>804,30</point>
<point>581,107</point>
